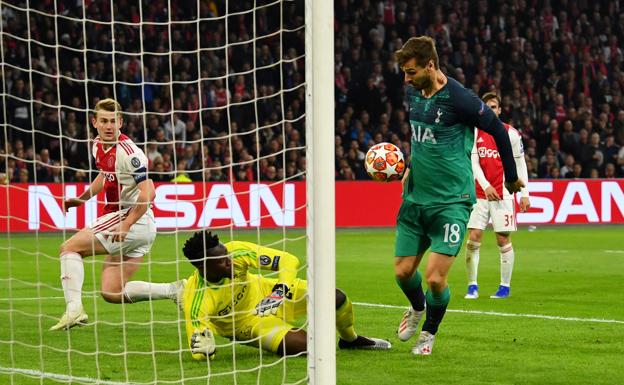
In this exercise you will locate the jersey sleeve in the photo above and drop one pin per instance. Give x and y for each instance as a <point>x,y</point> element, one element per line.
<point>265,258</point>
<point>516,143</point>
<point>477,171</point>
<point>518,150</point>
<point>135,164</point>
<point>477,113</point>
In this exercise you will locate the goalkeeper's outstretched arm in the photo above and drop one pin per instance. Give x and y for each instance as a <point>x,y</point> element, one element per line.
<point>286,266</point>
<point>266,258</point>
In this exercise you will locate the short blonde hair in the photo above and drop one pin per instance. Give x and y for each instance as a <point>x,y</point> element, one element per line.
<point>108,104</point>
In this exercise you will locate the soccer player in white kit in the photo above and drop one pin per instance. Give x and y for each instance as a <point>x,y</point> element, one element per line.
<point>126,230</point>
<point>495,202</point>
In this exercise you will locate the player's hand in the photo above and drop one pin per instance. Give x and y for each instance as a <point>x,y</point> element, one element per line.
<point>491,194</point>
<point>514,187</point>
<point>203,342</point>
<point>525,204</point>
<point>71,202</point>
<point>120,232</point>
<point>270,304</point>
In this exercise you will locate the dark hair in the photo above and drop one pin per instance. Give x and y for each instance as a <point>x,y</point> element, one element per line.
<point>199,245</point>
<point>491,95</point>
<point>421,48</point>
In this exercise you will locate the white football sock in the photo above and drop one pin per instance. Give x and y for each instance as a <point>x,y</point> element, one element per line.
<point>507,262</point>
<point>136,291</point>
<point>72,277</point>
<point>472,261</point>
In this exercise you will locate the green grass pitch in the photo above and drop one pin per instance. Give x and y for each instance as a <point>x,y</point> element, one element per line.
<point>564,323</point>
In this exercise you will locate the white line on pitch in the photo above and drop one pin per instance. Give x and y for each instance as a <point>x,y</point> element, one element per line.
<point>494,313</point>
<point>56,376</point>
<point>479,312</point>
<point>15,299</point>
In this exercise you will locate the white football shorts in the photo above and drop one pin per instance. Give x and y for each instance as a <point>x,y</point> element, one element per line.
<point>503,214</point>
<point>139,240</point>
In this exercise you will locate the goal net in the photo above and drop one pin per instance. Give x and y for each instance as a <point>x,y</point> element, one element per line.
<point>231,101</point>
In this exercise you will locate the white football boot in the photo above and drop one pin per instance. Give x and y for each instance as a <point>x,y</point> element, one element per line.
<point>424,345</point>
<point>69,320</point>
<point>409,323</point>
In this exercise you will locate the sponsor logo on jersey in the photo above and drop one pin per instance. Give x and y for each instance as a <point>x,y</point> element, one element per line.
<point>109,176</point>
<point>135,162</point>
<point>423,134</point>
<point>265,260</point>
<point>226,310</point>
<point>485,152</point>
<point>480,140</point>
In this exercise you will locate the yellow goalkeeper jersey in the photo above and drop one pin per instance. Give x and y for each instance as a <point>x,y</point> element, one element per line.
<point>223,305</point>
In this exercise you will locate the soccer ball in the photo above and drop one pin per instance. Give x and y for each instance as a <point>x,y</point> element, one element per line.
<point>384,162</point>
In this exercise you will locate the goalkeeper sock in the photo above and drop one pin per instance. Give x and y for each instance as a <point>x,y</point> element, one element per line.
<point>507,261</point>
<point>344,321</point>
<point>472,261</point>
<point>413,291</point>
<point>137,291</point>
<point>436,307</point>
<point>72,277</point>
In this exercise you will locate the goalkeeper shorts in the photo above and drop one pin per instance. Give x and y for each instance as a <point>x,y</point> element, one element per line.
<point>269,331</point>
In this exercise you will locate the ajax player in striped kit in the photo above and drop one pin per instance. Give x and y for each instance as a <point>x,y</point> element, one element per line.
<point>126,230</point>
<point>494,201</point>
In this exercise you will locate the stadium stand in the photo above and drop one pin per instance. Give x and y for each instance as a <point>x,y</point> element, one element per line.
<point>558,65</point>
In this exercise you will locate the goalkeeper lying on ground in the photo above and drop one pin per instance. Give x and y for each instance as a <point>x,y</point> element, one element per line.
<point>263,308</point>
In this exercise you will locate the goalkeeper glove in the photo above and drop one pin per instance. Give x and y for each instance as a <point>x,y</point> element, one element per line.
<point>270,304</point>
<point>203,342</point>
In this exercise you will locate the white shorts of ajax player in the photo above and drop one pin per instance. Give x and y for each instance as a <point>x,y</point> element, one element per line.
<point>503,214</point>
<point>139,240</point>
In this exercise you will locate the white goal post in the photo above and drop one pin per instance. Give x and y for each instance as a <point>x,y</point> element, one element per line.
<point>321,191</point>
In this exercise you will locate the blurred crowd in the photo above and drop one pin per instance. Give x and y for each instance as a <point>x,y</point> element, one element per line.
<point>203,98</point>
<point>209,101</point>
<point>558,66</point>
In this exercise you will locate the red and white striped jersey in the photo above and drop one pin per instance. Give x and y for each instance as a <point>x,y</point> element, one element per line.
<point>489,161</point>
<point>124,166</point>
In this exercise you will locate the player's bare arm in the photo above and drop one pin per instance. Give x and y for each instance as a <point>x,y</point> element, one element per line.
<point>145,198</point>
<point>94,189</point>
